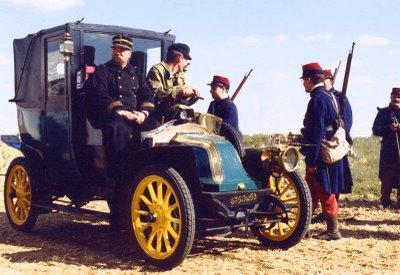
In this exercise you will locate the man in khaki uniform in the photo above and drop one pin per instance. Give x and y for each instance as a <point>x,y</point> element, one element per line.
<point>168,80</point>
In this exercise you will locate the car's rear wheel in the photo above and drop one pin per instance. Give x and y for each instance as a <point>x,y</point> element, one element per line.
<point>19,193</point>
<point>292,206</point>
<point>161,216</point>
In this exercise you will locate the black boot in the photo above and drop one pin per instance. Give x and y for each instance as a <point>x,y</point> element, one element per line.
<point>319,218</point>
<point>385,202</point>
<point>332,233</point>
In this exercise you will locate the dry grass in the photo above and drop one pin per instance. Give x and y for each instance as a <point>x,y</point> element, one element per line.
<point>63,243</point>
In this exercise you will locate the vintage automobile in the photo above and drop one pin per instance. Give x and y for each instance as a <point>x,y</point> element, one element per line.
<point>184,180</point>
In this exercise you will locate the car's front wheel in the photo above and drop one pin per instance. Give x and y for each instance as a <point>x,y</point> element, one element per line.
<point>161,215</point>
<point>291,203</point>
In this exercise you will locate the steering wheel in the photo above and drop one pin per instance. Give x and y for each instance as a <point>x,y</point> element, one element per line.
<point>189,101</point>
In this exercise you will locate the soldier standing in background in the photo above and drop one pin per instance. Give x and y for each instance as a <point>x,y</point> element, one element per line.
<point>320,121</point>
<point>347,117</point>
<point>223,106</point>
<point>387,126</point>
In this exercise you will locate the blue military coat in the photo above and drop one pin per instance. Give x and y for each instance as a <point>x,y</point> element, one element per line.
<point>381,128</point>
<point>225,109</point>
<point>320,122</point>
<point>345,109</point>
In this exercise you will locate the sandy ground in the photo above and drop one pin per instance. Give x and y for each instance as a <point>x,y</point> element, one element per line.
<point>64,243</point>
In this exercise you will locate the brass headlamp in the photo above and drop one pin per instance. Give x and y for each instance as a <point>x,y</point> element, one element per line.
<point>280,156</point>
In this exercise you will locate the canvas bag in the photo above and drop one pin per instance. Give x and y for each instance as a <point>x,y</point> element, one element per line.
<point>337,146</point>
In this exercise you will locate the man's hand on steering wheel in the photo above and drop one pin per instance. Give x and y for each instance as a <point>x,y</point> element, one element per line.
<point>189,91</point>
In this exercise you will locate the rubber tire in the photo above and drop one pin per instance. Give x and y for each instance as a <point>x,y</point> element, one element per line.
<point>33,177</point>
<point>188,214</point>
<point>304,221</point>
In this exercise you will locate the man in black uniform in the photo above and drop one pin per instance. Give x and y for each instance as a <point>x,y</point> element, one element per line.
<point>387,126</point>
<point>121,104</point>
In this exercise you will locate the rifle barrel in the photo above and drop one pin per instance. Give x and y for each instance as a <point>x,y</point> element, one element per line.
<point>240,85</point>
<point>347,71</point>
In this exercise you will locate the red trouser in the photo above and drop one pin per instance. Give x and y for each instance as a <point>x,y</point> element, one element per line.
<point>329,202</point>
<point>387,181</point>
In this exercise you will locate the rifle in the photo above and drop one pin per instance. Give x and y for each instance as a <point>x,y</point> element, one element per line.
<point>394,120</point>
<point>344,88</point>
<point>336,72</point>
<point>240,85</point>
<point>346,74</point>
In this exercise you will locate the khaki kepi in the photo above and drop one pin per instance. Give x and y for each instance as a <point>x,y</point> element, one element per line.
<point>122,41</point>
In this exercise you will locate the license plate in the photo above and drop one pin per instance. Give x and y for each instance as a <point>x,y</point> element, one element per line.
<point>243,199</point>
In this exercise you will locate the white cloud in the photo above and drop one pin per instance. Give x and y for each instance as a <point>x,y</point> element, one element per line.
<point>281,38</point>
<point>371,40</point>
<point>48,5</point>
<point>252,39</point>
<point>318,37</point>
<point>395,52</point>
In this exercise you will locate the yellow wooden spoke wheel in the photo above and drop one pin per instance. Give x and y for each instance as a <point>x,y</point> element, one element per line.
<point>18,195</point>
<point>156,215</point>
<point>162,216</point>
<point>292,213</point>
<point>285,190</point>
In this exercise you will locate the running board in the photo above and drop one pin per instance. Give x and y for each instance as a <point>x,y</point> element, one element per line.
<point>73,210</point>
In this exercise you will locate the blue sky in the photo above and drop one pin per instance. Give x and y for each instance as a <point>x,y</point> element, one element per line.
<point>275,38</point>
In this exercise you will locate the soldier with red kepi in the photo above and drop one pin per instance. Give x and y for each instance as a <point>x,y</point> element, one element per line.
<point>223,106</point>
<point>320,122</point>
<point>347,118</point>
<point>387,126</point>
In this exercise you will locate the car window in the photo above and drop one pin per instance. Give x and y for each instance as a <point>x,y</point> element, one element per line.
<point>55,68</point>
<point>146,52</point>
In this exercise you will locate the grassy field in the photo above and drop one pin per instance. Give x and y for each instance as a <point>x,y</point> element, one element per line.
<point>364,165</point>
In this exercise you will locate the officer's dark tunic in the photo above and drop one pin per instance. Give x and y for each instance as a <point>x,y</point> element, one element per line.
<point>114,89</point>
<point>389,159</point>
<point>225,109</point>
<point>320,119</point>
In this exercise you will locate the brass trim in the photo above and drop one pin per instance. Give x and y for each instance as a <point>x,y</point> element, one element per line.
<point>119,40</point>
<point>212,152</point>
<point>147,104</point>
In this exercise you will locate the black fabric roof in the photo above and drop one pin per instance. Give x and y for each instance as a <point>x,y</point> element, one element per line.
<point>29,60</point>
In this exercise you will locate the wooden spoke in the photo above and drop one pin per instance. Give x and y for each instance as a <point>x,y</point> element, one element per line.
<point>152,192</point>
<point>172,232</point>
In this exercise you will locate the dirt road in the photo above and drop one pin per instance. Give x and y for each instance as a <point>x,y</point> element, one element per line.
<point>65,243</point>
